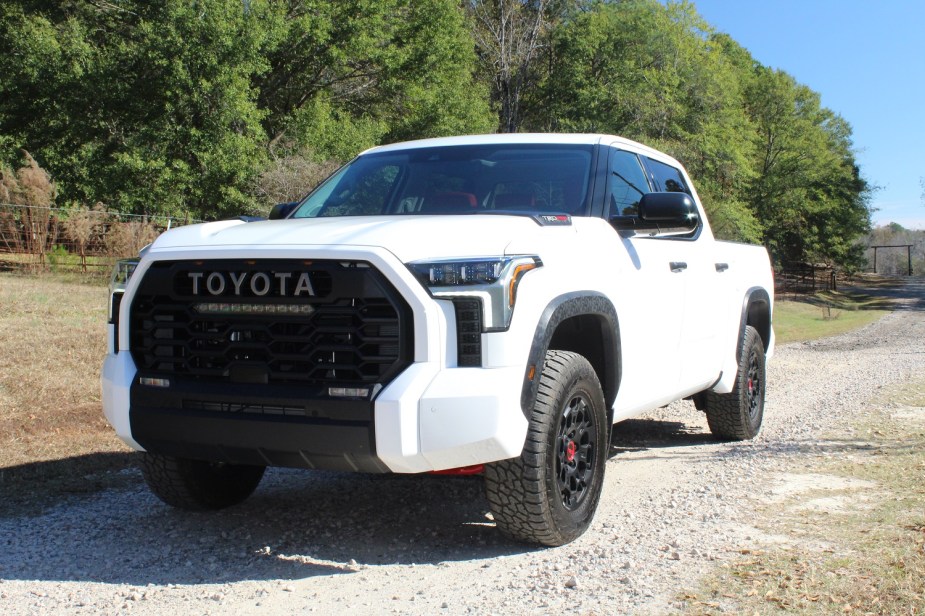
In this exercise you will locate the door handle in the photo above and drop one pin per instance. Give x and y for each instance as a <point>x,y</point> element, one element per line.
<point>677,266</point>
<point>722,267</point>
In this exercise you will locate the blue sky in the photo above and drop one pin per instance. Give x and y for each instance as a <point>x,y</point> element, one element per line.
<point>866,58</point>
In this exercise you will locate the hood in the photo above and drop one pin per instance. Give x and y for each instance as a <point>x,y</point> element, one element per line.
<point>409,238</point>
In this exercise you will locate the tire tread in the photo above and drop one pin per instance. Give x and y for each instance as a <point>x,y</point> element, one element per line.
<point>194,485</point>
<point>515,488</point>
<point>727,414</point>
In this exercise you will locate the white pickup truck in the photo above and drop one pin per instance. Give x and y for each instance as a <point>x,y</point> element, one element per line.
<point>472,304</point>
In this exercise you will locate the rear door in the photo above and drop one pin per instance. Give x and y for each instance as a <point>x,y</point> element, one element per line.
<point>697,270</point>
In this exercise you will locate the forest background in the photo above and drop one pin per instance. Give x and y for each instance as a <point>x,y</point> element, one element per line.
<point>210,109</point>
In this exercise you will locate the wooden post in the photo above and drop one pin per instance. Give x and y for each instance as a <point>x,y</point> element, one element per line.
<point>908,248</point>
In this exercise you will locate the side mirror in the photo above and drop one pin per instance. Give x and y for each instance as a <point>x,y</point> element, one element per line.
<point>661,213</point>
<point>282,210</point>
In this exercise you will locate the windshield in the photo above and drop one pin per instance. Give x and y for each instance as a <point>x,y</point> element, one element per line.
<point>458,180</point>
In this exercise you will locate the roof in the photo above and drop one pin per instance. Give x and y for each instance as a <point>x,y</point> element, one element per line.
<point>517,138</point>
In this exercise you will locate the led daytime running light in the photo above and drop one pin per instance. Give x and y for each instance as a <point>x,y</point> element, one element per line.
<point>216,308</point>
<point>458,273</point>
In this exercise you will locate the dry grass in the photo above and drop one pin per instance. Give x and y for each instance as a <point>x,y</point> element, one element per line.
<point>53,337</point>
<point>867,556</point>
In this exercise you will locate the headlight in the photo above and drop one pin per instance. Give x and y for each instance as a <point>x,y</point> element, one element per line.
<point>120,274</point>
<point>493,280</point>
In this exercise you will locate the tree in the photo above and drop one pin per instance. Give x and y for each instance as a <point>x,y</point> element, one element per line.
<point>147,106</point>
<point>809,193</point>
<point>210,108</point>
<point>652,72</point>
<point>895,261</point>
<point>347,75</point>
<point>171,107</point>
<point>509,36</point>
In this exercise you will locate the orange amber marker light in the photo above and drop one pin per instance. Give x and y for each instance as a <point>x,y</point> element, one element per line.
<point>519,271</point>
<point>531,373</point>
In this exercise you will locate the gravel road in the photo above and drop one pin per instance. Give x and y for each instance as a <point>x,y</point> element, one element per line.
<point>676,504</point>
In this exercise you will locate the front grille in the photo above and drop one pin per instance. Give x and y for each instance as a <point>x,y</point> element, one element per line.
<point>270,321</point>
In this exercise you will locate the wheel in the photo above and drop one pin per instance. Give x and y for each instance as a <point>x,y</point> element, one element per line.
<point>737,415</point>
<point>549,494</point>
<point>196,485</point>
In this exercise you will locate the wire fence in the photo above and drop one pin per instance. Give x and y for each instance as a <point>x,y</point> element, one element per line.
<point>36,238</point>
<point>40,238</point>
<point>805,278</point>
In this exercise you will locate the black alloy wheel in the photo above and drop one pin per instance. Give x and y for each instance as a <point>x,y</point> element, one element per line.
<point>577,445</point>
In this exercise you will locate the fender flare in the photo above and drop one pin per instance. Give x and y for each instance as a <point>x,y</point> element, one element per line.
<point>755,296</point>
<point>561,308</point>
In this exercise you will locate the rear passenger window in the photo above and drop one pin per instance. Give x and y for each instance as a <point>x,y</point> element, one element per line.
<point>667,178</point>
<point>627,184</point>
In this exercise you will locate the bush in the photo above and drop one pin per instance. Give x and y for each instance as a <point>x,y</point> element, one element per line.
<point>57,257</point>
<point>85,227</point>
<point>32,188</point>
<point>125,239</point>
<point>291,177</point>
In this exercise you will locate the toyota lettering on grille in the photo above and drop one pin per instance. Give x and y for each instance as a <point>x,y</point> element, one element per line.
<point>283,284</point>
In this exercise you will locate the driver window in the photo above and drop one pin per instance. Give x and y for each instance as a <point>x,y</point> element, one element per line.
<point>365,195</point>
<point>627,184</point>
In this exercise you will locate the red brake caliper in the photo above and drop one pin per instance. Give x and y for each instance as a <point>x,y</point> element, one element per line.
<point>751,386</point>
<point>570,451</point>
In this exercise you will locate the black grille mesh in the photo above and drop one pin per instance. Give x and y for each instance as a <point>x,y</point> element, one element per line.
<point>468,332</point>
<point>358,330</point>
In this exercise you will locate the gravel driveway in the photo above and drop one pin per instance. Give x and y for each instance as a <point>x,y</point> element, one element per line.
<point>674,505</point>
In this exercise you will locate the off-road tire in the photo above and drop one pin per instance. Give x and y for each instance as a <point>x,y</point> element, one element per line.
<point>549,494</point>
<point>196,485</point>
<point>737,416</point>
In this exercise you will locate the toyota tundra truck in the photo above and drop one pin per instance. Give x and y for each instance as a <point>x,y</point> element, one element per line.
<point>482,304</point>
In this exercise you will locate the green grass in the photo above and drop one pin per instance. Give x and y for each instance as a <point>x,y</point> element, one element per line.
<point>825,314</point>
<point>866,558</point>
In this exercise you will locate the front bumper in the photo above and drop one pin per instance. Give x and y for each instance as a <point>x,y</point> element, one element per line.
<point>430,416</point>
<point>426,419</point>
